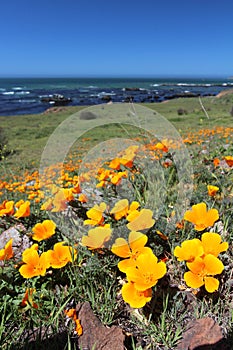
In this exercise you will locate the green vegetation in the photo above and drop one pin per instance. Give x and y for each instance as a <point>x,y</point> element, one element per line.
<point>93,275</point>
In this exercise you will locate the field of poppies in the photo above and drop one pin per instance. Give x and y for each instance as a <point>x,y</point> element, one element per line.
<point>140,228</point>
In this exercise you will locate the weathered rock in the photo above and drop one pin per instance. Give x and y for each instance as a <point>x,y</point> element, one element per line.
<point>20,239</point>
<point>95,335</point>
<point>204,333</point>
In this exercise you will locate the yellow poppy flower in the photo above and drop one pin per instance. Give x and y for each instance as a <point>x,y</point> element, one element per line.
<point>201,272</point>
<point>189,250</point>
<point>35,264</point>
<point>142,221</point>
<point>23,211</point>
<point>229,160</point>
<point>212,243</point>
<point>7,208</point>
<point>61,255</point>
<point>120,209</point>
<point>212,190</point>
<point>95,215</point>
<point>147,272</point>
<point>201,217</point>
<point>7,252</point>
<point>43,230</point>
<point>97,237</point>
<point>134,297</point>
<point>131,250</point>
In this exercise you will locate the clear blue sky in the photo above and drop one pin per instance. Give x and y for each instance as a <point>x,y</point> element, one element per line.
<point>116,38</point>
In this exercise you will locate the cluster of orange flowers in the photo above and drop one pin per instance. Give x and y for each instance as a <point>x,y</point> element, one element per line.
<point>19,209</point>
<point>140,264</point>
<point>36,264</point>
<point>202,255</point>
<point>141,267</point>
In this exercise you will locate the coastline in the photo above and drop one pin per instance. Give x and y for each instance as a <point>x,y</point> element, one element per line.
<point>34,96</point>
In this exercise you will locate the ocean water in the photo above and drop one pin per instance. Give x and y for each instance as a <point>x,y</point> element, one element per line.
<point>24,95</point>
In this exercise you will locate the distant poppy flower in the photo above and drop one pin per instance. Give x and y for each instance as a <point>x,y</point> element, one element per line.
<point>147,272</point>
<point>62,197</point>
<point>134,297</point>
<point>142,221</point>
<point>7,252</point>
<point>117,162</point>
<point>201,217</point>
<point>23,210</point>
<point>229,160</point>
<point>7,208</point>
<point>43,230</point>
<point>216,162</point>
<point>116,178</point>
<point>82,198</point>
<point>47,205</point>
<point>212,190</point>
<point>95,215</point>
<point>201,272</point>
<point>61,255</point>
<point>130,251</point>
<point>97,237</point>
<point>189,250</point>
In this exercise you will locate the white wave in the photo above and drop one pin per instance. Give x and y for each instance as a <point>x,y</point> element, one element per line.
<point>92,87</point>
<point>8,93</point>
<point>154,84</point>
<point>22,93</point>
<point>1,89</point>
<point>103,93</point>
<point>17,88</point>
<point>27,101</point>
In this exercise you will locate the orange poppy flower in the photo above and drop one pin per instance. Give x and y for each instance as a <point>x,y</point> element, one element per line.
<point>27,299</point>
<point>147,272</point>
<point>201,217</point>
<point>212,190</point>
<point>216,162</point>
<point>7,208</point>
<point>229,160</point>
<point>61,255</point>
<point>189,250</point>
<point>71,313</point>
<point>120,209</point>
<point>7,252</point>
<point>212,243</point>
<point>62,197</point>
<point>131,250</point>
<point>97,237</point>
<point>95,215</point>
<point>43,230</point>
<point>142,221</point>
<point>115,178</point>
<point>47,205</point>
<point>201,272</point>
<point>23,210</point>
<point>82,198</point>
<point>134,297</point>
<point>35,264</point>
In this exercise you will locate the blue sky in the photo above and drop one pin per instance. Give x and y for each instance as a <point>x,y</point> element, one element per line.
<point>116,38</point>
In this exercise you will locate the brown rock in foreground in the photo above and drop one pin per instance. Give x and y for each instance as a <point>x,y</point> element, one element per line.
<point>204,333</point>
<point>95,334</point>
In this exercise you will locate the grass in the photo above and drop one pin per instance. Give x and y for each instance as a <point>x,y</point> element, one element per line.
<point>94,276</point>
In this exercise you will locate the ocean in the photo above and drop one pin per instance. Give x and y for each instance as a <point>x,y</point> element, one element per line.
<point>25,95</point>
